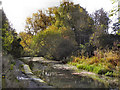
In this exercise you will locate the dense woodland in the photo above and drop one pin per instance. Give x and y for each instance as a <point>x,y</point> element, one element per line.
<point>70,34</point>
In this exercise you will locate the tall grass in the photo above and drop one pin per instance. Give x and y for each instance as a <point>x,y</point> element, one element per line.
<point>103,62</point>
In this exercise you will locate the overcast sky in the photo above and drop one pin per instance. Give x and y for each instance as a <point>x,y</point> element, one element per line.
<point>18,10</point>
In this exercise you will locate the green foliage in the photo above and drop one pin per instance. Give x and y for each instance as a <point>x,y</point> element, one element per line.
<point>106,63</point>
<point>104,40</point>
<point>92,68</point>
<point>46,40</point>
<point>100,38</point>
<point>109,74</point>
<point>7,41</point>
<point>7,37</point>
<point>17,49</point>
<point>10,41</point>
<point>67,29</point>
<point>101,20</point>
<point>75,17</point>
<point>54,42</point>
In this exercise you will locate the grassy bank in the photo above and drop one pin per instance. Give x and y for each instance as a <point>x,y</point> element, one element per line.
<point>107,63</point>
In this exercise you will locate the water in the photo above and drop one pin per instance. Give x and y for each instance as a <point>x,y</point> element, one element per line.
<point>29,78</point>
<point>57,76</point>
<point>23,78</point>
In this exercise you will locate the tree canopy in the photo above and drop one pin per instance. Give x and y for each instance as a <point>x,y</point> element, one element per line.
<point>61,31</point>
<point>10,41</point>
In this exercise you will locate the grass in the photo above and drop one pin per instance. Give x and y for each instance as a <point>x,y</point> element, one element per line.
<point>107,63</point>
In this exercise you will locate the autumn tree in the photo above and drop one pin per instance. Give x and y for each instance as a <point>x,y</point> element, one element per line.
<point>26,42</point>
<point>75,17</point>
<point>65,26</point>
<point>39,21</point>
<point>54,42</point>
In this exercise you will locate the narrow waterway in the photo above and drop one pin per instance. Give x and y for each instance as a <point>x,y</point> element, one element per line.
<point>61,75</point>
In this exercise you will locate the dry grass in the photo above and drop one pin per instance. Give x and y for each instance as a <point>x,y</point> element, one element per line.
<point>109,60</point>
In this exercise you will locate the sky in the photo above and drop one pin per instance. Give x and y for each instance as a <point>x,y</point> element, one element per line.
<point>18,10</point>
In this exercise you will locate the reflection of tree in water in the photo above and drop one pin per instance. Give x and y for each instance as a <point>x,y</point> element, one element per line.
<point>61,76</point>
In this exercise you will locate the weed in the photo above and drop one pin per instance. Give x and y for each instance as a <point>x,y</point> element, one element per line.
<point>102,63</point>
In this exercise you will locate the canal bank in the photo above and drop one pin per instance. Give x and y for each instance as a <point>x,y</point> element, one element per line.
<point>18,75</point>
<point>59,75</point>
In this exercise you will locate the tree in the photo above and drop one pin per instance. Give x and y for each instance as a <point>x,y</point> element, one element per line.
<point>39,21</point>
<point>26,42</point>
<point>116,27</point>
<point>101,20</point>
<point>76,18</point>
<point>116,11</point>
<point>17,49</point>
<point>54,42</point>
<point>101,25</point>
<point>9,36</point>
<point>58,30</point>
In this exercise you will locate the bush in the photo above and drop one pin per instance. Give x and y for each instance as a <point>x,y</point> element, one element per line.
<point>54,43</point>
<point>64,49</point>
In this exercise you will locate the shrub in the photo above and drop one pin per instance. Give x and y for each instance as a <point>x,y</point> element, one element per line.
<point>54,43</point>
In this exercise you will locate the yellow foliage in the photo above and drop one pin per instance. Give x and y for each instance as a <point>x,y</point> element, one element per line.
<point>26,40</point>
<point>81,10</point>
<point>110,60</point>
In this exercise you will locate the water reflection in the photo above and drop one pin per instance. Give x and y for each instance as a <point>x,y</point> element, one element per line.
<point>59,77</point>
<point>23,78</point>
<point>29,78</point>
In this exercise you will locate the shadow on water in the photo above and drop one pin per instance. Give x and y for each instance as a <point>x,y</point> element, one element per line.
<point>59,77</point>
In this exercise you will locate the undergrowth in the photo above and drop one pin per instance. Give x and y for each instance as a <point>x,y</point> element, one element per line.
<point>103,62</point>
